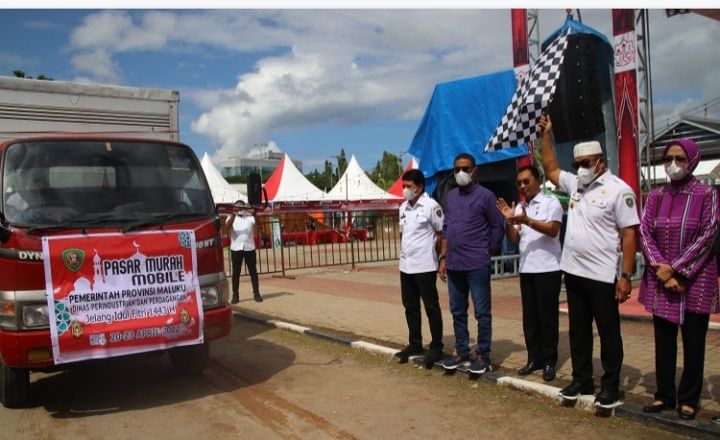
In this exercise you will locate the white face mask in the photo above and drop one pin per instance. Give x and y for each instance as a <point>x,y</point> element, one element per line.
<point>586,175</point>
<point>675,172</point>
<point>409,194</point>
<point>462,178</point>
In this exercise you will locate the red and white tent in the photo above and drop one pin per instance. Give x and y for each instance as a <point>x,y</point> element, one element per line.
<point>397,187</point>
<point>355,185</point>
<point>287,184</point>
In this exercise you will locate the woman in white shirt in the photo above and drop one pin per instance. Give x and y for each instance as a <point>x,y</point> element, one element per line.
<point>240,225</point>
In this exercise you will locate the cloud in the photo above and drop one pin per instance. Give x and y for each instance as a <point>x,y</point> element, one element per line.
<point>344,67</point>
<point>351,67</point>
<point>99,64</point>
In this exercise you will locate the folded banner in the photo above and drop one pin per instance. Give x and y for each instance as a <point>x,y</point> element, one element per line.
<point>519,124</point>
<point>115,294</point>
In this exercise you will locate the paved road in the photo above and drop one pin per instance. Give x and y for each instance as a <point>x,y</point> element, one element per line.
<point>273,384</point>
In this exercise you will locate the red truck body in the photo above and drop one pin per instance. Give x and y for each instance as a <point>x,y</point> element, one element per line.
<point>95,183</point>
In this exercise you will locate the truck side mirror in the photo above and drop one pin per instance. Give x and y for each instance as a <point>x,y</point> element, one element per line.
<point>4,230</point>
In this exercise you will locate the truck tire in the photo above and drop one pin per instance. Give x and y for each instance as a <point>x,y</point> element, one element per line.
<point>190,360</point>
<point>14,384</point>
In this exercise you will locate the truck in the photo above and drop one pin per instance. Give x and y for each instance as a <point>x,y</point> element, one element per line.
<point>94,161</point>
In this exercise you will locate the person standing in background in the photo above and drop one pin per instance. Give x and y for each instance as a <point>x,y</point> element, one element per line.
<point>241,224</point>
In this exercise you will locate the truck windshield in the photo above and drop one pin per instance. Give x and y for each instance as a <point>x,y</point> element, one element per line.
<point>65,183</point>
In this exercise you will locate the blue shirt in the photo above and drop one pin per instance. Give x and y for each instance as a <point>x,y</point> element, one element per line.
<point>473,228</point>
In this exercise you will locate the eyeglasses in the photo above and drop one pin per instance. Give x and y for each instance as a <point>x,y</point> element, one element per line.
<point>522,182</point>
<point>585,163</point>
<point>677,159</point>
<point>466,169</point>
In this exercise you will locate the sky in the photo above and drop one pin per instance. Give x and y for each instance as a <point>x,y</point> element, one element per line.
<point>315,81</point>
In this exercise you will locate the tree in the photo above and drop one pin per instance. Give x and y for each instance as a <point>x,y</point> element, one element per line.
<point>21,74</point>
<point>342,163</point>
<point>386,171</point>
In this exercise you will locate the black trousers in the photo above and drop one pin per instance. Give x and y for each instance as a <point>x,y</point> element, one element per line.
<point>590,300</point>
<point>413,287</point>
<point>540,294</point>
<point>237,260</point>
<point>693,332</point>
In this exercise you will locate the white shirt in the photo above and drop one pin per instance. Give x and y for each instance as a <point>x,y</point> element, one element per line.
<point>241,234</point>
<point>418,226</point>
<point>595,216</point>
<point>538,252</point>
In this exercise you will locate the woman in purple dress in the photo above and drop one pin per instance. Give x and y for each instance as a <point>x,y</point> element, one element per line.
<point>680,285</point>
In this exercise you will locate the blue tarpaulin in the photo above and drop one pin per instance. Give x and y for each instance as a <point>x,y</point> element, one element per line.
<point>460,118</point>
<point>574,27</point>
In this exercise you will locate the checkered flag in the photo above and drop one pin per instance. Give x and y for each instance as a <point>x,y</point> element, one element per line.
<point>519,124</point>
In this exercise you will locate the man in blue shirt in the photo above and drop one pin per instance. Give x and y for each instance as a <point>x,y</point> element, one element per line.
<point>473,230</point>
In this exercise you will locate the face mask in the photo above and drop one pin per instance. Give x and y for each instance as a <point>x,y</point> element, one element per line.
<point>675,172</point>
<point>586,175</point>
<point>409,194</point>
<point>462,178</point>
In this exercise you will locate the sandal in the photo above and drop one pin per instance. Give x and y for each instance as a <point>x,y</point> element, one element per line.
<point>686,412</point>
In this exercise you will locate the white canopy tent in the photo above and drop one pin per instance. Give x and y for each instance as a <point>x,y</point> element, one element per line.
<point>355,185</point>
<point>221,190</point>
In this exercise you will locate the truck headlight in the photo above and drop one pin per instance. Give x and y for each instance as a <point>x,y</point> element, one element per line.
<point>35,315</point>
<point>210,296</point>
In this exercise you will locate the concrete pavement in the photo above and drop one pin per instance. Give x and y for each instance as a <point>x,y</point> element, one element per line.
<point>365,303</point>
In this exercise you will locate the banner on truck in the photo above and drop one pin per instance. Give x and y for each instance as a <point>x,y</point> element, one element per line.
<point>116,294</point>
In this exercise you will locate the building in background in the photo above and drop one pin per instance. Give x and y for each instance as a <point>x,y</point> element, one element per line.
<point>263,159</point>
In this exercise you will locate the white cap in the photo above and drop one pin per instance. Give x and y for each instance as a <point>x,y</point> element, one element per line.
<point>590,148</point>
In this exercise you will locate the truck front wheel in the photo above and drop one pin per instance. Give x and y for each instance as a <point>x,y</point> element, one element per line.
<point>190,360</point>
<point>14,384</point>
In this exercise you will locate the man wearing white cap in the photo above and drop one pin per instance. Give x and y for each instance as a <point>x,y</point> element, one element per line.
<point>602,219</point>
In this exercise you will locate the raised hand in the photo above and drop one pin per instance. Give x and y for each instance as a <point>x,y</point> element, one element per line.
<point>507,211</point>
<point>545,124</point>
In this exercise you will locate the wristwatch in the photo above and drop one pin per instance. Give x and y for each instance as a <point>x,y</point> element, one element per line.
<point>441,257</point>
<point>627,275</point>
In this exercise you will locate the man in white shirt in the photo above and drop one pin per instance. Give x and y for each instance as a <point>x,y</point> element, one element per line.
<point>602,220</point>
<point>241,225</point>
<point>421,220</point>
<point>536,225</point>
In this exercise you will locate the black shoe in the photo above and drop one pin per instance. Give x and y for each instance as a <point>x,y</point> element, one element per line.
<point>656,407</point>
<point>480,366</point>
<point>548,373</point>
<point>433,355</point>
<point>683,414</point>
<point>529,368</point>
<point>575,389</point>
<point>716,420</point>
<point>404,354</point>
<point>235,299</point>
<point>607,399</point>
<point>455,362</point>
<point>257,297</point>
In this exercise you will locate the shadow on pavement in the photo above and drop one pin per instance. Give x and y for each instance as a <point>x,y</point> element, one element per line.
<point>266,296</point>
<point>146,381</point>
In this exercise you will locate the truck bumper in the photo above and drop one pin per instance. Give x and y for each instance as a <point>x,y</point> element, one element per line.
<point>33,349</point>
